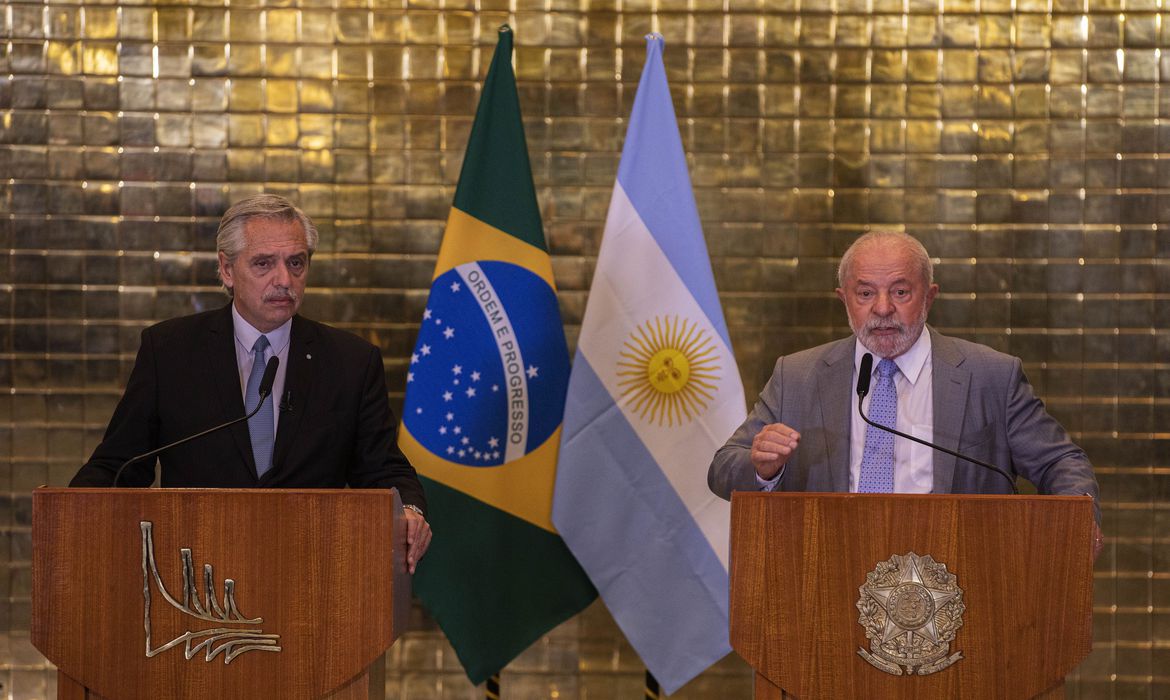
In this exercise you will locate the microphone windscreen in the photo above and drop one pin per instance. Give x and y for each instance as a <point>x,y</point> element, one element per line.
<point>270,376</point>
<point>864,374</point>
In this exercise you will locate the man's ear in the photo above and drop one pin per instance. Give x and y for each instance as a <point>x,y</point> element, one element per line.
<point>225,270</point>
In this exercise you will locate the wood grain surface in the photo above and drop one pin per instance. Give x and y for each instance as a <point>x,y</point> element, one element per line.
<point>1024,564</point>
<point>325,569</point>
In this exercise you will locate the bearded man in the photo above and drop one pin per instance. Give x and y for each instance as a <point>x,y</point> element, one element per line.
<point>805,434</point>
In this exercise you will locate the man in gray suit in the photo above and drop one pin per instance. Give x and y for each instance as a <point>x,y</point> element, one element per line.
<point>804,433</point>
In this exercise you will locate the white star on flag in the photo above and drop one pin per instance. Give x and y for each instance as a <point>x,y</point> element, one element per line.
<point>532,371</point>
<point>449,333</point>
<point>454,286</point>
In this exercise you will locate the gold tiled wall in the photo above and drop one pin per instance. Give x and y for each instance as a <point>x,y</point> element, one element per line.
<point>1025,141</point>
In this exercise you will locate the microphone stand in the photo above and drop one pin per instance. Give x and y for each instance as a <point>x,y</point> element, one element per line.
<point>863,390</point>
<point>264,392</point>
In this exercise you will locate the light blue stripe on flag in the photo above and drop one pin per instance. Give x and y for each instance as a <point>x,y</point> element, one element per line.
<point>662,561</point>
<point>653,392</point>
<point>653,172</point>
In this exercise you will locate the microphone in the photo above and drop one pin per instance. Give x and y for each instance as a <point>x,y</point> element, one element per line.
<point>265,390</point>
<point>865,374</point>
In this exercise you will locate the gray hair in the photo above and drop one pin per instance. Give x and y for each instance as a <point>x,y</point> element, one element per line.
<point>908,242</point>
<point>230,239</point>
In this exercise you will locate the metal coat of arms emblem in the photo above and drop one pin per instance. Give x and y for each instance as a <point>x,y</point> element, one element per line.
<point>911,608</point>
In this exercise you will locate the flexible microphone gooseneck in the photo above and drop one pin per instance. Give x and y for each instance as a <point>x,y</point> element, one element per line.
<point>865,374</point>
<point>264,391</point>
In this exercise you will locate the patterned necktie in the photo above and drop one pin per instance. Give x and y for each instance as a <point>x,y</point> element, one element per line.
<point>877,462</point>
<point>260,425</point>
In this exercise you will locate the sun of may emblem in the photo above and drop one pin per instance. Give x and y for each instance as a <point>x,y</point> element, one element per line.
<point>667,371</point>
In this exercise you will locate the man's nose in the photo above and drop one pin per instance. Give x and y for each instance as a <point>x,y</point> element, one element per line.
<point>883,305</point>
<point>281,275</point>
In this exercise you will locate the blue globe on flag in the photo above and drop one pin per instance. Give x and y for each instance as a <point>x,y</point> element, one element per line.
<point>487,380</point>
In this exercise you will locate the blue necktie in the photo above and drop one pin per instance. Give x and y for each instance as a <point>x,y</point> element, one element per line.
<point>260,425</point>
<point>877,461</point>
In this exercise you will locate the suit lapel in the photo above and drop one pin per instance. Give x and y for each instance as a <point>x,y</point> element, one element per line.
<point>834,380</point>
<point>951,384</point>
<point>298,386</point>
<point>225,374</point>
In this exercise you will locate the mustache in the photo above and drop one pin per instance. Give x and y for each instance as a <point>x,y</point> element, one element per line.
<point>280,294</point>
<point>873,323</point>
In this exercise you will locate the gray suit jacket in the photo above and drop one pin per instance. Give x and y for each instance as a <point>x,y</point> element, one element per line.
<point>984,407</point>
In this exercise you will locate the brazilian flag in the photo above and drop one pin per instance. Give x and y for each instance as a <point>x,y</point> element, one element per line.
<point>485,396</point>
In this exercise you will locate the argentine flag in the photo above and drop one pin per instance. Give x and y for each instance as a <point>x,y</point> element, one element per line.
<point>654,391</point>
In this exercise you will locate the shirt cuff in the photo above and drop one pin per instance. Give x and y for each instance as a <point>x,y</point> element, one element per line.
<point>769,484</point>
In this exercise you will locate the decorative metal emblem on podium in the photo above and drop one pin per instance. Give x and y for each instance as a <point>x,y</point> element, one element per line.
<point>911,608</point>
<point>230,641</point>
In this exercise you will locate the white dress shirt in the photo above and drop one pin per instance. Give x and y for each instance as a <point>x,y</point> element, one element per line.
<point>914,382</point>
<point>278,339</point>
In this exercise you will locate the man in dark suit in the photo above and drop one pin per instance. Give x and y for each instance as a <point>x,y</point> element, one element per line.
<point>804,433</point>
<point>327,422</point>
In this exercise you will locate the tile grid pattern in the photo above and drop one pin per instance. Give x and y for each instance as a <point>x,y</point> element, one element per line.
<point>1022,140</point>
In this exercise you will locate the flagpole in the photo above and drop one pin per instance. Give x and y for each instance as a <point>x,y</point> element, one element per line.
<point>651,691</point>
<point>491,689</point>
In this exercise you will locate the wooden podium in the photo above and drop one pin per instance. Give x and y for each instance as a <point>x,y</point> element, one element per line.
<point>208,593</point>
<point>1023,565</point>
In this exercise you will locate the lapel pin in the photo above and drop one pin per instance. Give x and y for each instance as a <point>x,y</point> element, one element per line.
<point>308,357</point>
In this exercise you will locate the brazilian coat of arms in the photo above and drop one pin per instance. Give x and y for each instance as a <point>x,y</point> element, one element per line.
<point>911,607</point>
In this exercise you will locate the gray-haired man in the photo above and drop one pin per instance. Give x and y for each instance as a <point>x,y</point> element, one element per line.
<point>333,426</point>
<point>804,433</point>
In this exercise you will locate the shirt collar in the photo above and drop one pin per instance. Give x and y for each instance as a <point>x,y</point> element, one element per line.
<point>246,334</point>
<point>910,363</point>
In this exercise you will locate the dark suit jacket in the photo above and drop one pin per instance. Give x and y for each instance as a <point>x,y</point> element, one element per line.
<point>984,407</point>
<point>337,430</point>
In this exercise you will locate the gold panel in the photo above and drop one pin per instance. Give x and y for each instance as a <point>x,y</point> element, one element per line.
<point>280,96</point>
<point>1023,140</point>
<point>172,24</point>
<point>245,25</point>
<point>101,22</point>
<point>99,58</point>
<point>281,130</point>
<point>63,57</point>
<point>280,26</point>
